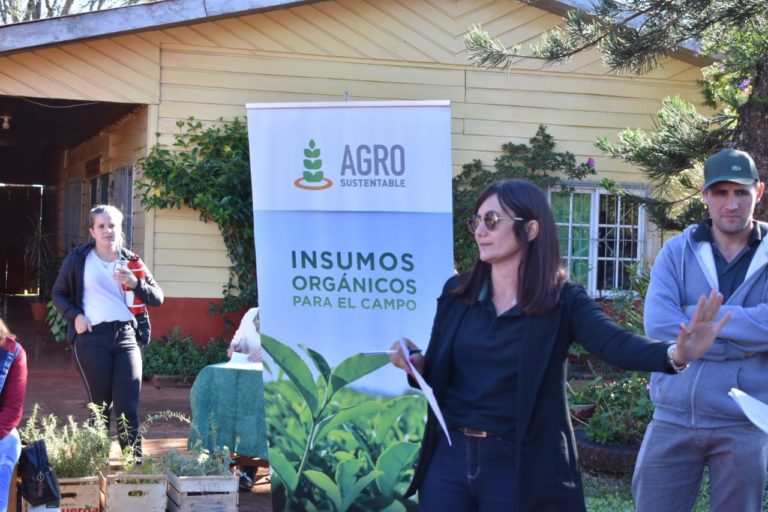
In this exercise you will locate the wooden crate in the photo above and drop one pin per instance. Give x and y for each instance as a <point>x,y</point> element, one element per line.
<point>79,494</point>
<point>145,493</point>
<point>202,493</point>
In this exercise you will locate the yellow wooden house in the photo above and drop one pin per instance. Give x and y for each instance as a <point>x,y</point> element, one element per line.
<point>83,97</point>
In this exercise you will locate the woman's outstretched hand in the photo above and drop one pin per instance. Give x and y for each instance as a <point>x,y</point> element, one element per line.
<point>696,337</point>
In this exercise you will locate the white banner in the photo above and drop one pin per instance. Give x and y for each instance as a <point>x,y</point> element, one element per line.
<point>352,224</point>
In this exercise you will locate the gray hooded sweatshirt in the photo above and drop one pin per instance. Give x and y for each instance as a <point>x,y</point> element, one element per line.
<point>698,398</point>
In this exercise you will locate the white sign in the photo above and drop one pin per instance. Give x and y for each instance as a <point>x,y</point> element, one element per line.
<point>352,224</point>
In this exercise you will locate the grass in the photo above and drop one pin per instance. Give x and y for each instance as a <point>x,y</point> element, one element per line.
<point>610,493</point>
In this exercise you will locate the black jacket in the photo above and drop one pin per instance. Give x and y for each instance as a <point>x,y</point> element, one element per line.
<point>545,449</point>
<point>67,292</point>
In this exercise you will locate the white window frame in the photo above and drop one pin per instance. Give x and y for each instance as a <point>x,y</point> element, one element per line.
<point>595,192</point>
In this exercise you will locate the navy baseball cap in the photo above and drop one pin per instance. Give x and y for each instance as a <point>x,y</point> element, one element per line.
<point>730,165</point>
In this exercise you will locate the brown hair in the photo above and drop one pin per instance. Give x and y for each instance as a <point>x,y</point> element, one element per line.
<point>113,212</point>
<point>540,276</point>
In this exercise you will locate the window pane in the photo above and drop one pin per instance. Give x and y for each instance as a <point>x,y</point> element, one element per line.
<point>606,246</point>
<point>580,271</point>
<point>561,206</point>
<point>580,241</point>
<point>581,208</point>
<point>605,274</point>
<point>628,243</point>
<point>608,209</point>
<point>562,236</point>
<point>630,214</point>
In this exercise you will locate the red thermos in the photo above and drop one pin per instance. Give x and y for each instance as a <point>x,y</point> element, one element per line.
<point>133,301</point>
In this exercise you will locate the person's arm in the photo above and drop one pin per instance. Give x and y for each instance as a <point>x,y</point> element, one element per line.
<point>620,347</point>
<point>148,290</point>
<point>12,396</point>
<point>62,292</point>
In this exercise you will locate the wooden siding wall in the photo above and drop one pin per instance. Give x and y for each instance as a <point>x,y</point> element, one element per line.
<point>370,49</point>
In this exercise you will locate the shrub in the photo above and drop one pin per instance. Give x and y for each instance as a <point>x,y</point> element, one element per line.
<point>74,449</point>
<point>177,355</point>
<point>623,409</point>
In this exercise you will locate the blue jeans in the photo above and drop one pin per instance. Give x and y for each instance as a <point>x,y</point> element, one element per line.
<point>475,474</point>
<point>10,449</point>
<point>671,462</point>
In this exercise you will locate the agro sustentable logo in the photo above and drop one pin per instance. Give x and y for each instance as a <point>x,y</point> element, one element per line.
<point>313,178</point>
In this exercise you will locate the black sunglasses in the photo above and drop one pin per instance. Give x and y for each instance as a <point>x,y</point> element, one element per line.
<point>490,220</point>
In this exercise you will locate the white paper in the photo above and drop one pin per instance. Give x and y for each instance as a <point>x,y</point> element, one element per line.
<point>238,365</point>
<point>754,409</point>
<point>428,394</point>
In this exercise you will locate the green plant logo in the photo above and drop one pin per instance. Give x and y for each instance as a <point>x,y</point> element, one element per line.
<point>313,178</point>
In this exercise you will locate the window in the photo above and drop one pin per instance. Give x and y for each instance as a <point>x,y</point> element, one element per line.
<point>600,236</point>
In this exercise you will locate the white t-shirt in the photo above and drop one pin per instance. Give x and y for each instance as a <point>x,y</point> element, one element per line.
<point>103,297</point>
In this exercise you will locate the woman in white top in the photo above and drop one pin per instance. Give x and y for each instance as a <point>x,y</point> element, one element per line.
<point>90,291</point>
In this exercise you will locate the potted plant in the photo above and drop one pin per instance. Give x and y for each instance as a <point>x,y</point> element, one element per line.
<point>201,480</point>
<point>609,439</point>
<point>40,262</point>
<point>79,453</point>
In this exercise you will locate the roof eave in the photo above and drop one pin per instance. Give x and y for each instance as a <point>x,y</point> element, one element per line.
<point>89,25</point>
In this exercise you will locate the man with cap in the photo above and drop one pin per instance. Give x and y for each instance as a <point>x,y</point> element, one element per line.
<point>695,423</point>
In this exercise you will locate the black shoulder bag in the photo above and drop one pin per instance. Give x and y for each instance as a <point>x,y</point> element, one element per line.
<point>38,479</point>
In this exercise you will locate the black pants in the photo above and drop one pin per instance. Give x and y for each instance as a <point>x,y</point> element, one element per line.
<point>109,360</point>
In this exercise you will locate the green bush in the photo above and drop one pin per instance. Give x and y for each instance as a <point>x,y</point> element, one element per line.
<point>177,355</point>
<point>623,409</point>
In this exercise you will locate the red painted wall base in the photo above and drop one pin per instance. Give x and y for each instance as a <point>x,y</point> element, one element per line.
<point>191,317</point>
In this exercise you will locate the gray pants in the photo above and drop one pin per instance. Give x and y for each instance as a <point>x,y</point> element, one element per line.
<point>671,463</point>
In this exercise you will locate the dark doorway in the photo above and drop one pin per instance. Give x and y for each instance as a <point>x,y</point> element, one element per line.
<point>20,211</point>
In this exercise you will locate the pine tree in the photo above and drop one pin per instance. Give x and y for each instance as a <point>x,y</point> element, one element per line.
<point>634,37</point>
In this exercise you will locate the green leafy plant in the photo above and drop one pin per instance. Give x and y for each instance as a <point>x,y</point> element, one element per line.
<point>177,355</point>
<point>40,258</point>
<point>74,449</point>
<point>623,409</point>
<point>332,448</point>
<point>537,162</point>
<point>57,324</point>
<point>208,170</point>
<point>199,463</point>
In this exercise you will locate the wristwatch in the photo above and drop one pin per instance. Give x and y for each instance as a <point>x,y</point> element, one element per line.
<point>678,368</point>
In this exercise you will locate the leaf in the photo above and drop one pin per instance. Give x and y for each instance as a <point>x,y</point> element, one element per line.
<point>395,506</point>
<point>320,362</point>
<point>313,177</point>
<point>349,494</point>
<point>353,368</point>
<point>284,468</point>
<point>312,153</point>
<point>313,165</point>
<point>345,415</point>
<point>346,473</point>
<point>326,485</point>
<point>295,368</point>
<point>393,461</point>
<point>384,421</point>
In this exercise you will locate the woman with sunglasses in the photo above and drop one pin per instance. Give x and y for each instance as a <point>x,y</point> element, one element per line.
<point>496,363</point>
